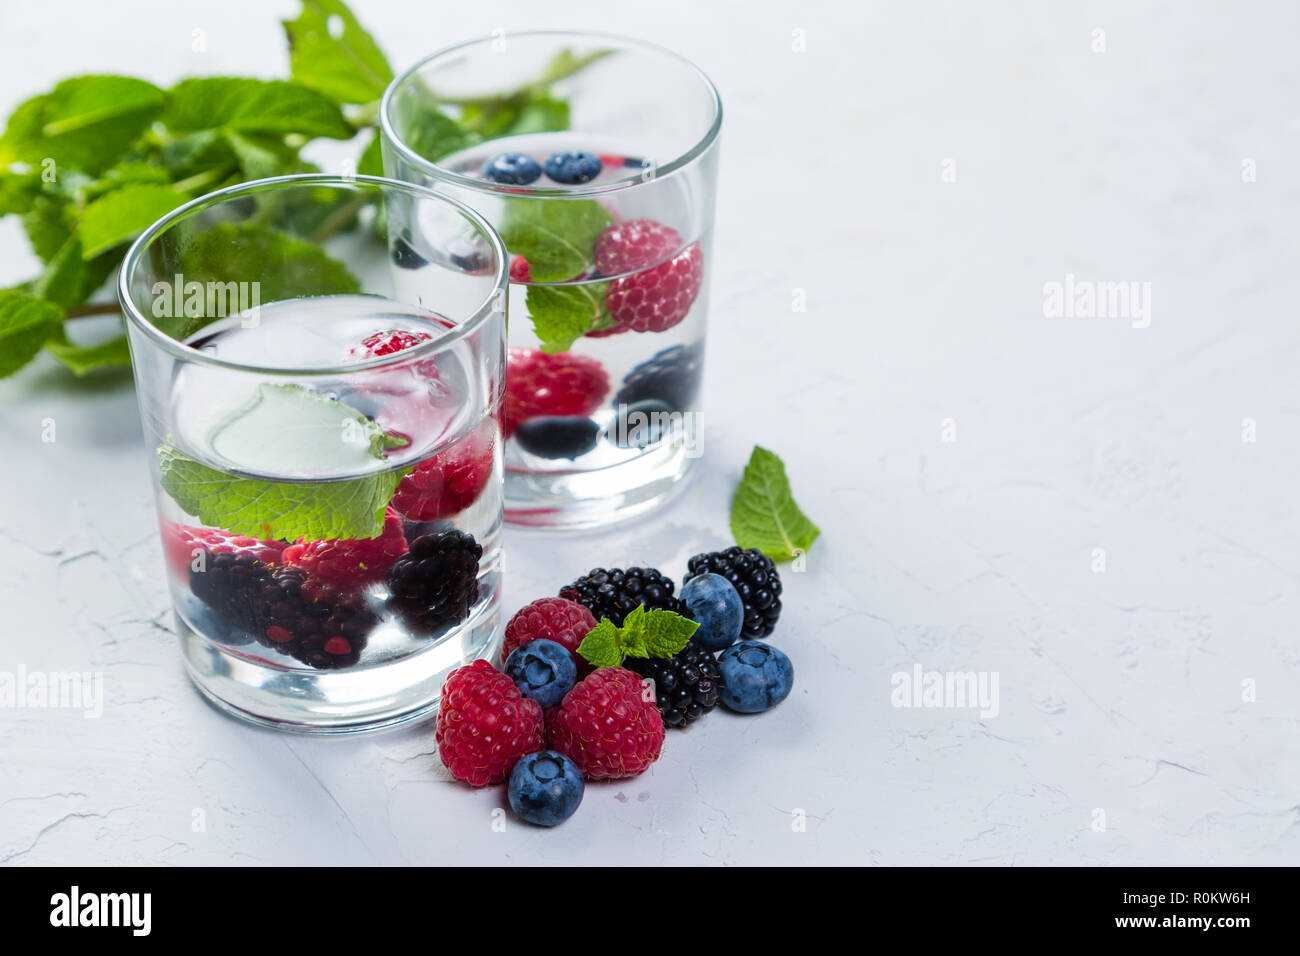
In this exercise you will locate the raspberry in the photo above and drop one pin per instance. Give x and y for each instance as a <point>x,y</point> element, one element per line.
<point>657,298</point>
<point>180,542</point>
<point>553,619</point>
<point>608,725</point>
<point>485,725</point>
<point>519,271</point>
<point>634,245</point>
<point>386,343</point>
<point>448,482</point>
<point>350,563</point>
<point>542,384</point>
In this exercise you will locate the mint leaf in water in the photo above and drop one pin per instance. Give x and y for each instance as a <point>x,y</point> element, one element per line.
<point>562,314</point>
<point>763,511</point>
<point>556,236</point>
<point>26,323</point>
<point>656,633</point>
<point>123,214</point>
<point>253,106</point>
<point>331,53</point>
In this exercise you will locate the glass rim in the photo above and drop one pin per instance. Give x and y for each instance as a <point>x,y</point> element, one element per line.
<point>437,344</point>
<point>446,175</point>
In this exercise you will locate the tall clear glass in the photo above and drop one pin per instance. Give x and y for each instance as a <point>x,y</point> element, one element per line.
<point>320,369</point>
<point>595,157</point>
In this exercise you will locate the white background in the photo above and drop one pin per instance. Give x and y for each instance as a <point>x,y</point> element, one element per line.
<point>1121,692</point>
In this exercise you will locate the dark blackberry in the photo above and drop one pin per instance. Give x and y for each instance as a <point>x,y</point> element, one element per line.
<point>614,593</point>
<point>436,582</point>
<point>754,577</point>
<point>283,610</point>
<point>671,376</point>
<point>686,685</point>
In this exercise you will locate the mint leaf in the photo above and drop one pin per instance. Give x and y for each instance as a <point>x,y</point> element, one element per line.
<point>556,236</point>
<point>26,322</point>
<point>565,63</point>
<point>353,508</point>
<point>601,648</point>
<point>433,135</point>
<point>632,633</point>
<point>371,162</point>
<point>256,106</point>
<point>331,53</point>
<point>123,214</point>
<point>563,314</point>
<point>87,122</point>
<point>667,632</point>
<point>83,359</point>
<point>47,226</point>
<point>763,511</point>
<point>259,157</point>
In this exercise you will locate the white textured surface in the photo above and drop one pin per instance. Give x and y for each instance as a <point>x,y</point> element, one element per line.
<point>1119,690</point>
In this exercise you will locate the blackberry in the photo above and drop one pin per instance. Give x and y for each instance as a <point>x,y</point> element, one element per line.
<point>614,593</point>
<point>284,609</point>
<point>436,582</point>
<point>671,376</point>
<point>754,577</point>
<point>686,685</point>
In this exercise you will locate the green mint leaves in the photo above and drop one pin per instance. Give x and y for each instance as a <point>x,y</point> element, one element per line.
<point>644,633</point>
<point>253,106</point>
<point>331,53</point>
<point>563,314</point>
<point>556,236</point>
<point>763,510</point>
<point>26,322</point>
<point>123,213</point>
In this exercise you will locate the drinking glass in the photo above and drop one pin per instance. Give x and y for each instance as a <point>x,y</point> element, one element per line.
<point>610,251</point>
<point>320,368</point>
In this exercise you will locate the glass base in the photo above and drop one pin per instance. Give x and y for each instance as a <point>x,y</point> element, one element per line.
<point>577,500</point>
<point>337,701</point>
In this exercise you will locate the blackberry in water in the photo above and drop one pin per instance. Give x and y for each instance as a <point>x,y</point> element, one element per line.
<point>753,574</point>
<point>671,376</point>
<point>231,585</point>
<point>436,582</point>
<point>614,593</point>
<point>686,685</point>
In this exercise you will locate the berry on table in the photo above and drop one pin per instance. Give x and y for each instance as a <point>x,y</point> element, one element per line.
<point>351,562</point>
<point>686,684</point>
<point>553,619</point>
<point>634,245</point>
<point>450,481</point>
<point>485,725</point>
<point>614,593</point>
<point>753,575</point>
<point>608,725</point>
<point>572,167</point>
<point>541,384</point>
<point>755,676</point>
<point>512,169</point>
<point>436,582</point>
<point>671,376</point>
<point>715,603</point>
<point>545,788</point>
<point>657,298</point>
<point>543,671</point>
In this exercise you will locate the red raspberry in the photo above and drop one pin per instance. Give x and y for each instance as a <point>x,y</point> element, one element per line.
<point>554,619</point>
<point>542,384</point>
<point>386,343</point>
<point>634,245</point>
<point>657,298</point>
<point>449,481</point>
<point>485,725</point>
<point>181,541</point>
<point>608,725</point>
<point>519,270</point>
<point>348,563</point>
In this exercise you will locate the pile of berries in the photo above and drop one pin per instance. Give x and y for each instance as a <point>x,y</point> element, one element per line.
<point>547,721</point>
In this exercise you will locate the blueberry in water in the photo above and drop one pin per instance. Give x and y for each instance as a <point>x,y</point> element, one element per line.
<point>716,605</point>
<point>468,254</point>
<point>671,376</point>
<point>512,169</point>
<point>405,257</point>
<point>572,167</point>
<point>543,671</point>
<point>640,424</point>
<point>545,788</point>
<point>557,436</point>
<point>755,676</point>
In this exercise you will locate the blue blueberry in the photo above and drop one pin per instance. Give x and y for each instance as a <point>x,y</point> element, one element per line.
<point>545,788</point>
<point>755,676</point>
<point>512,169</point>
<point>542,670</point>
<point>572,168</point>
<point>715,603</point>
<point>557,436</point>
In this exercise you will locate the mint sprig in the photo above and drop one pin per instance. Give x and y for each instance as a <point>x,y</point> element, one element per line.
<point>656,633</point>
<point>556,236</point>
<point>562,314</point>
<point>764,514</point>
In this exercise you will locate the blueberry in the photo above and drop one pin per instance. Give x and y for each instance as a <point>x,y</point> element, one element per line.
<point>640,424</point>
<point>717,607</point>
<point>557,436</point>
<point>545,788</point>
<point>755,676</point>
<point>512,169</point>
<point>542,670</point>
<point>405,256</point>
<point>572,168</point>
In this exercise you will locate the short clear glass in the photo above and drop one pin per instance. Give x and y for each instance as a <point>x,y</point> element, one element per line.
<point>320,369</point>
<point>610,251</point>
